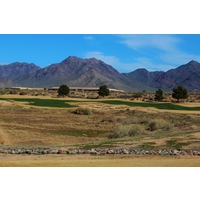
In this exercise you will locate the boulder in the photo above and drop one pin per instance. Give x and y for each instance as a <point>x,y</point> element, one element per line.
<point>195,153</point>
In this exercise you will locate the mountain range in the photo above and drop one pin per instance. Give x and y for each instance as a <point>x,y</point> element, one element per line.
<point>91,72</point>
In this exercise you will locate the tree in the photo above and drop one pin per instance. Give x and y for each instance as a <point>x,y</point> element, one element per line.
<point>63,90</point>
<point>103,90</point>
<point>180,93</point>
<point>159,95</point>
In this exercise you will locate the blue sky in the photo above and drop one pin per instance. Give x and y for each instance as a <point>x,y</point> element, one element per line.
<point>125,52</point>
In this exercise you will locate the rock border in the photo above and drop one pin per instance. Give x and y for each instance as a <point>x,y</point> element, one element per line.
<point>171,152</point>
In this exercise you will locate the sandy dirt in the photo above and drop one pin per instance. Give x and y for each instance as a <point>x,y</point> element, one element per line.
<point>97,161</point>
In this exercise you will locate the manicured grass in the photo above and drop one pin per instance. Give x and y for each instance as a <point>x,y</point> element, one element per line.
<point>166,106</point>
<point>64,103</point>
<point>43,102</point>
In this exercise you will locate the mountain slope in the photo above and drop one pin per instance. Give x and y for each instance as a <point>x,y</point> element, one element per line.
<point>11,71</point>
<point>17,69</point>
<point>74,71</point>
<point>187,75</point>
<point>144,77</point>
<point>5,82</point>
<point>91,72</point>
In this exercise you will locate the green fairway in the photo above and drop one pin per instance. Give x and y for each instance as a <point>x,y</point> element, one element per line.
<point>166,106</point>
<point>43,102</point>
<point>66,103</point>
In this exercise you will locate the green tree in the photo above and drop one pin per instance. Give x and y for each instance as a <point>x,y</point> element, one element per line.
<point>180,93</point>
<point>103,91</point>
<point>63,90</point>
<point>159,95</point>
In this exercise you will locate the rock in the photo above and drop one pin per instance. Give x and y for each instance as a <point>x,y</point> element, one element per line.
<point>195,153</point>
<point>86,151</point>
<point>125,151</point>
<point>183,152</point>
<point>61,151</point>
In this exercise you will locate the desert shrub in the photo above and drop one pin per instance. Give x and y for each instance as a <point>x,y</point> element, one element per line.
<point>130,121</point>
<point>82,111</point>
<point>135,130</point>
<point>86,111</point>
<point>159,124</point>
<point>152,126</point>
<point>144,121</point>
<point>110,120</point>
<point>2,92</point>
<point>126,130</point>
<point>155,124</point>
<point>92,96</point>
<point>23,93</point>
<point>138,95</point>
<point>113,136</point>
<point>122,131</point>
<point>168,127</point>
<point>13,92</point>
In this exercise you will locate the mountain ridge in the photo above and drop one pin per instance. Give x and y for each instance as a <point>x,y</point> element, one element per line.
<point>92,72</point>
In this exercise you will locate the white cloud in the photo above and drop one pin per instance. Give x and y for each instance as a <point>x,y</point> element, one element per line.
<point>88,38</point>
<point>167,46</point>
<point>100,56</point>
<point>140,62</point>
<point>2,63</point>
<point>161,42</point>
<point>148,64</point>
<point>111,60</point>
<point>178,58</point>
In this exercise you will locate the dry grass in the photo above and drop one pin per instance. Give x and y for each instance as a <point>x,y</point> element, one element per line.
<point>22,125</point>
<point>97,161</point>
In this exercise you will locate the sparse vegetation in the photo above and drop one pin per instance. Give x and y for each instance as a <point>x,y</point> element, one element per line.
<point>96,124</point>
<point>23,93</point>
<point>135,130</point>
<point>156,124</point>
<point>82,111</point>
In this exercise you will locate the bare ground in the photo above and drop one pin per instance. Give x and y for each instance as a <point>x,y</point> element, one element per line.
<point>97,161</point>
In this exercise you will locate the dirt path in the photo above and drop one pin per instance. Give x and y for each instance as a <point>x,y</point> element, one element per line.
<point>97,161</point>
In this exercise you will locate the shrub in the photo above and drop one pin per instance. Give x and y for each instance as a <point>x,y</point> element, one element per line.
<point>152,126</point>
<point>2,92</point>
<point>113,136</point>
<point>131,121</point>
<point>138,95</point>
<point>13,92</point>
<point>86,111</point>
<point>122,131</point>
<point>83,111</point>
<point>159,124</point>
<point>168,127</point>
<point>23,93</point>
<point>135,130</point>
<point>155,124</point>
